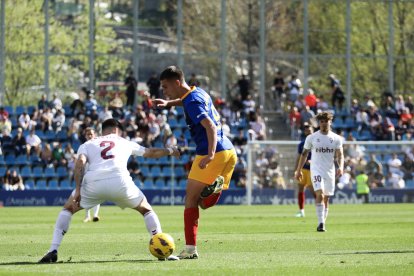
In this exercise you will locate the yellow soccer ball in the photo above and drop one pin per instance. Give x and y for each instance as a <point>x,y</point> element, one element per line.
<point>161,245</point>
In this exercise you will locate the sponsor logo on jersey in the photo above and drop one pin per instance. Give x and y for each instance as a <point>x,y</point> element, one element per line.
<point>324,150</point>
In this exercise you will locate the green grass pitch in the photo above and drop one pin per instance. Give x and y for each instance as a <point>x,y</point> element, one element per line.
<point>232,240</point>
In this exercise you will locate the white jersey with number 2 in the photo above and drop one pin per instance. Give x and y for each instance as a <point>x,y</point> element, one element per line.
<point>323,149</point>
<point>107,156</point>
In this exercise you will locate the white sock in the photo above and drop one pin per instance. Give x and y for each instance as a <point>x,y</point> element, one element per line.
<point>153,223</point>
<point>96,210</point>
<point>87,213</point>
<point>320,208</point>
<point>190,248</point>
<point>302,211</point>
<point>326,213</point>
<point>61,227</point>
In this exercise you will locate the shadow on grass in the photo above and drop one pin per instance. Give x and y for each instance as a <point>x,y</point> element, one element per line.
<point>373,252</point>
<point>79,262</point>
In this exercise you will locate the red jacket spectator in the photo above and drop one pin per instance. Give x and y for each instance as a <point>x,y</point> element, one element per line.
<point>311,99</point>
<point>3,113</point>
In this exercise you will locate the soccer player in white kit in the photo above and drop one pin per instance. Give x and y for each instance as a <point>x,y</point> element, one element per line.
<point>325,146</point>
<point>107,179</point>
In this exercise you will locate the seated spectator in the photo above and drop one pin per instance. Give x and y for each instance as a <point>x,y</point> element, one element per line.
<point>388,107</point>
<point>56,103</point>
<point>24,121</point>
<point>68,152</point>
<point>171,141</point>
<point>259,127</point>
<point>77,106</point>
<point>130,127</point>
<point>394,165</point>
<point>19,142</point>
<point>90,103</point>
<point>13,181</point>
<point>240,172</point>
<point>134,171</point>
<point>87,123</point>
<point>46,119</point>
<point>249,105</point>
<point>5,125</point>
<point>407,167</point>
<point>311,100</point>
<point>306,115</point>
<point>33,143</point>
<point>6,143</point>
<point>406,116</point>
<point>399,104</point>
<point>154,128</point>
<point>346,179</point>
<point>46,155</point>
<point>115,106</point>
<point>43,103</point>
<point>375,120</point>
<point>165,129</point>
<point>58,156</point>
<point>395,181</point>
<point>226,128</point>
<point>300,103</point>
<point>373,165</point>
<point>58,120</point>
<point>376,180</point>
<point>104,114</point>
<point>181,141</point>
<point>3,113</point>
<point>409,104</point>
<point>321,104</point>
<point>355,107</point>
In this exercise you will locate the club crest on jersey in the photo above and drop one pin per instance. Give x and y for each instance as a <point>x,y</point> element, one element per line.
<point>331,140</point>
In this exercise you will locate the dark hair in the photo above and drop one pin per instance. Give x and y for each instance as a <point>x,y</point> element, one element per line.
<point>172,73</point>
<point>112,123</point>
<point>325,115</point>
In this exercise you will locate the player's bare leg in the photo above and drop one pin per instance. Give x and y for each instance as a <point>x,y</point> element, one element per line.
<point>326,201</point>
<point>191,215</point>
<point>151,222</point>
<point>61,228</point>
<point>320,210</point>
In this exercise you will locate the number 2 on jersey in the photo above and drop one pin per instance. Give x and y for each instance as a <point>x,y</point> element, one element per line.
<point>108,146</point>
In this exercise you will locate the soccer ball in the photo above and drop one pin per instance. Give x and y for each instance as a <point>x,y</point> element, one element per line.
<point>161,245</point>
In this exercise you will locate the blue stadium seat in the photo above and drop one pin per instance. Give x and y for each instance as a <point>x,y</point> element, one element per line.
<point>3,170</point>
<point>10,159</point>
<point>61,172</point>
<point>138,183</point>
<point>179,171</point>
<point>9,109</point>
<point>2,162</point>
<point>167,171</point>
<point>15,169</point>
<point>177,132</point>
<point>49,172</point>
<point>155,171</point>
<point>61,136</point>
<point>145,170</point>
<point>65,185</point>
<point>160,183</point>
<point>49,135</point>
<point>20,109</point>
<point>41,185</point>
<point>37,172</point>
<point>164,160</point>
<point>30,109</point>
<point>173,123</point>
<point>409,183</point>
<point>29,184</point>
<point>182,183</point>
<point>148,184</point>
<point>180,111</point>
<point>26,172</point>
<point>21,160</point>
<point>53,184</point>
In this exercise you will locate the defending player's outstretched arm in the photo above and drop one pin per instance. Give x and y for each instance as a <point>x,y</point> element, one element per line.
<point>158,152</point>
<point>164,103</point>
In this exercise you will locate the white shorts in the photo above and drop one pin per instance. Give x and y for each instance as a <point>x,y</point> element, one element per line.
<point>323,182</point>
<point>119,190</point>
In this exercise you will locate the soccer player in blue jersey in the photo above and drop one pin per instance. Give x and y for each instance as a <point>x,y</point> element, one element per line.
<point>215,155</point>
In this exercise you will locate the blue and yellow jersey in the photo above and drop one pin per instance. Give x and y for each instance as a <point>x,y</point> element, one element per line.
<point>300,150</point>
<point>198,106</point>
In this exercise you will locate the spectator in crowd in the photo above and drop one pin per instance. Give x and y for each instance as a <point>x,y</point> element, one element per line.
<point>58,120</point>
<point>338,96</point>
<point>46,119</point>
<point>388,107</point>
<point>294,86</point>
<point>395,180</point>
<point>115,106</point>
<point>279,88</point>
<point>13,181</point>
<point>46,155</point>
<point>131,88</point>
<point>295,122</point>
<point>409,104</point>
<point>306,115</point>
<point>275,177</point>
<point>406,117</point>
<point>24,121</point>
<point>300,102</point>
<point>171,141</point>
<point>311,100</point>
<point>258,126</point>
<point>3,113</point>
<point>407,167</point>
<point>43,103</point>
<point>244,87</point>
<point>249,105</point>
<point>59,155</point>
<point>147,102</point>
<point>321,104</point>
<point>165,129</point>
<point>345,180</point>
<point>6,142</point>
<point>33,143</point>
<point>394,165</point>
<point>154,84</point>
<point>19,142</point>
<point>104,114</point>
<point>77,106</point>
<point>68,152</point>
<point>373,165</point>
<point>376,180</point>
<point>5,125</point>
<point>193,81</point>
<point>226,128</point>
<point>240,172</point>
<point>134,170</point>
<point>90,103</point>
<point>399,104</point>
<point>181,141</point>
<point>56,103</point>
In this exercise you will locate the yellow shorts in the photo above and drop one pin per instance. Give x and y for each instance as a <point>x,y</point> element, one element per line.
<point>306,178</point>
<point>223,164</point>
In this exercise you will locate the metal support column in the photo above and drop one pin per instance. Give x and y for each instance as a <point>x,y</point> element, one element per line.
<point>223,50</point>
<point>180,58</point>
<point>391,47</point>
<point>46,49</point>
<point>305,47</point>
<point>262,46</point>
<point>136,54</point>
<point>348,56</point>
<point>91,44</point>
